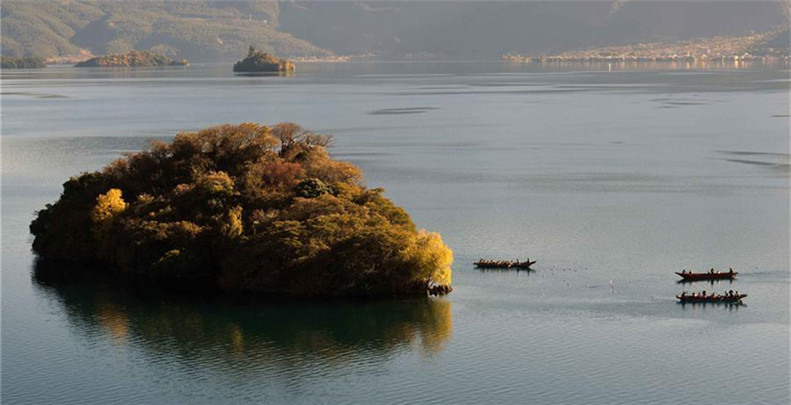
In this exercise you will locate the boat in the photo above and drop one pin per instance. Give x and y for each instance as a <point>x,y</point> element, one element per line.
<point>713,299</point>
<point>439,289</point>
<point>691,276</point>
<point>504,264</point>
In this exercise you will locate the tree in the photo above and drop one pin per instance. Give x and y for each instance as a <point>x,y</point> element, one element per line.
<point>245,208</point>
<point>108,206</point>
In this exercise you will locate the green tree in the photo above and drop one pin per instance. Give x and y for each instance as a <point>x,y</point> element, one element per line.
<point>246,208</point>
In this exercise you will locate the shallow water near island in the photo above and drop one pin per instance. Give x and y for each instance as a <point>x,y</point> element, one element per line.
<point>611,180</point>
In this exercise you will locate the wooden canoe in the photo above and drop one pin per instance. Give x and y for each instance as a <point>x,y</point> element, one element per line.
<point>503,264</point>
<point>708,276</point>
<point>720,299</point>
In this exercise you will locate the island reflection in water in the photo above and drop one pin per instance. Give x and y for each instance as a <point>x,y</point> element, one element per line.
<point>239,337</point>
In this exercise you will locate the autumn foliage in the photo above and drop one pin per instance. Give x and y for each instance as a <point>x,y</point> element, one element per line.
<point>247,208</point>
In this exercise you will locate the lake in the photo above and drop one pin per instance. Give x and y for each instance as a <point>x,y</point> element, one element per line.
<point>612,179</point>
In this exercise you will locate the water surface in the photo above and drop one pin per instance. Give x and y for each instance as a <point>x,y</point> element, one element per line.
<point>612,180</point>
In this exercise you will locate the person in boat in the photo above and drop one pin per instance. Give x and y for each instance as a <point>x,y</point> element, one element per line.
<point>704,294</point>
<point>683,294</point>
<point>731,270</point>
<point>684,271</point>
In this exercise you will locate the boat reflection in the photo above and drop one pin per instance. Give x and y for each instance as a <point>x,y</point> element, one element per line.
<point>712,281</point>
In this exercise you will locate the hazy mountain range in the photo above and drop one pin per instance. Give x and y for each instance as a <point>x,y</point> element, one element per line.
<point>223,29</point>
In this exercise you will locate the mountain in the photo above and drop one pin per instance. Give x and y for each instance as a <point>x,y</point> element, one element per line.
<point>199,30</point>
<point>203,30</point>
<point>463,29</point>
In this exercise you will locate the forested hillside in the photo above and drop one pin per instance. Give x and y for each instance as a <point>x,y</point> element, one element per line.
<point>477,29</point>
<point>199,30</point>
<point>203,30</point>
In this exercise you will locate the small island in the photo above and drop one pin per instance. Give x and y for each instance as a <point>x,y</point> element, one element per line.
<point>262,62</point>
<point>25,62</point>
<point>132,59</point>
<point>244,209</point>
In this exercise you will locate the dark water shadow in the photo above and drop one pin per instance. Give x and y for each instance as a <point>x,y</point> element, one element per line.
<point>224,333</point>
<point>682,103</point>
<point>780,168</point>
<point>751,153</point>
<point>777,162</point>
<point>31,94</point>
<point>758,163</point>
<point>402,111</point>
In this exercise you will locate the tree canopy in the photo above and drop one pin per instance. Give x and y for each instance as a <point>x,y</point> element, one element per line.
<point>247,208</point>
<point>132,59</point>
<point>259,61</point>
<point>28,62</point>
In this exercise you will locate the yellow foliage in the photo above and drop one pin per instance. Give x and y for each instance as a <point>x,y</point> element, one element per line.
<point>232,225</point>
<point>432,255</point>
<point>216,183</point>
<point>260,209</point>
<point>320,165</point>
<point>108,205</point>
<point>346,191</point>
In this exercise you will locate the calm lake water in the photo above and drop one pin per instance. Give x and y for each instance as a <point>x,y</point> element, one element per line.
<point>612,180</point>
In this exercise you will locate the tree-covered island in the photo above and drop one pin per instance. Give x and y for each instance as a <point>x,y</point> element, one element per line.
<point>246,209</point>
<point>24,62</point>
<point>262,62</point>
<point>132,59</point>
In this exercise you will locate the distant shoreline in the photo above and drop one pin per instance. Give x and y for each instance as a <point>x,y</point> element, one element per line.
<point>559,59</point>
<point>510,61</point>
<point>766,47</point>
